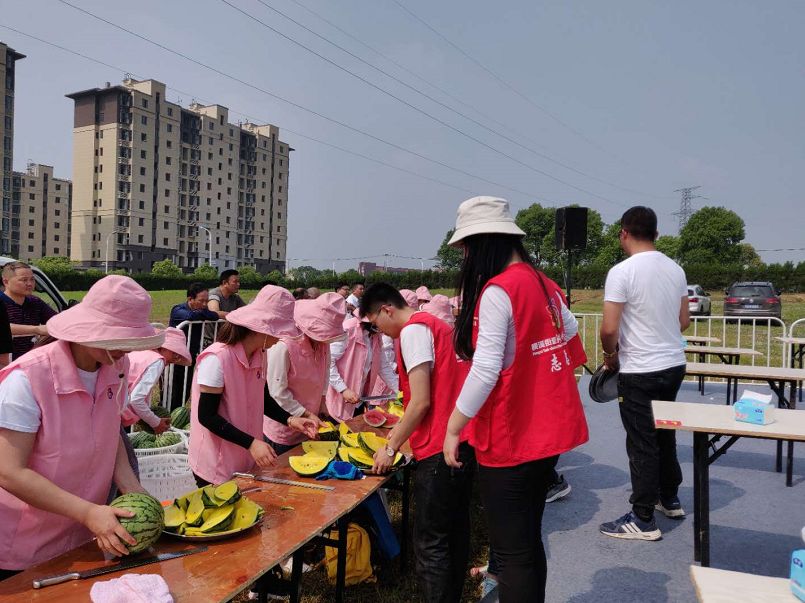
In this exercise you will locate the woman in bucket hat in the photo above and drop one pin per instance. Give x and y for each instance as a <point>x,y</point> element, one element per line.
<point>229,396</point>
<point>521,390</point>
<point>298,368</point>
<point>60,444</point>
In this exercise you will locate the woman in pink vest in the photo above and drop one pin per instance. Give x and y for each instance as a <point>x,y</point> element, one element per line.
<point>297,368</point>
<point>60,444</point>
<point>521,390</point>
<point>229,396</point>
<point>358,367</point>
<point>145,369</point>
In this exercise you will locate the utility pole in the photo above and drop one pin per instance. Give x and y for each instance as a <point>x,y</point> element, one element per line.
<point>686,204</point>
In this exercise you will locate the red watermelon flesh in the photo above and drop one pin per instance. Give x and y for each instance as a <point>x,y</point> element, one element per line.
<point>391,420</point>
<point>374,418</point>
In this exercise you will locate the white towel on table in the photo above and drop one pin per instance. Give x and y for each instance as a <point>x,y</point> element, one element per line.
<point>132,588</point>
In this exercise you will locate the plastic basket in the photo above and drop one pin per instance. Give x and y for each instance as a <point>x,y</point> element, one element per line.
<point>166,476</point>
<point>179,448</point>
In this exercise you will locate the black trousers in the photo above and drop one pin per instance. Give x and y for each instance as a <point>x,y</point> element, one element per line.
<point>6,574</point>
<point>514,499</point>
<point>653,465</point>
<point>442,525</point>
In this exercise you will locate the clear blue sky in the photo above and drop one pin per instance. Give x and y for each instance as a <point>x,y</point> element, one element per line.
<point>646,96</point>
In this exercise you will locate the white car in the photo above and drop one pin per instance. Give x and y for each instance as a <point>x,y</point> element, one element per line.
<point>698,301</point>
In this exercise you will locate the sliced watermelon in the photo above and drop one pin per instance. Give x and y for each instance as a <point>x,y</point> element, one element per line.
<point>374,418</point>
<point>391,420</point>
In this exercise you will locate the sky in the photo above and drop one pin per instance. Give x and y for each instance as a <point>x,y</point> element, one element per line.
<point>602,104</point>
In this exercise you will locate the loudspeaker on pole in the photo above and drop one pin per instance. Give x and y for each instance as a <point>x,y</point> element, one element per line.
<point>571,228</point>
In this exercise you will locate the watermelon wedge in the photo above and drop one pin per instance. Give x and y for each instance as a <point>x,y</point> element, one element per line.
<point>374,418</point>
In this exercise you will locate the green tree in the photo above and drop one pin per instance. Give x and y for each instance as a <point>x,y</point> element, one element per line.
<point>669,245</point>
<point>249,277</point>
<point>750,258</point>
<point>712,236</point>
<point>275,276</point>
<point>205,272</point>
<point>610,252</point>
<point>304,274</point>
<point>449,257</point>
<point>54,265</point>
<point>166,268</point>
<point>536,221</point>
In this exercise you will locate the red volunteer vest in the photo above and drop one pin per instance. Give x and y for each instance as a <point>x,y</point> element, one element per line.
<point>534,411</point>
<point>446,379</point>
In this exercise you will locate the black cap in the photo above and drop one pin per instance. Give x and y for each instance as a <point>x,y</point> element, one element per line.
<point>604,385</point>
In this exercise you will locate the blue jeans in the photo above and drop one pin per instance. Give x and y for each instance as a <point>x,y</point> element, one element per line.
<point>653,465</point>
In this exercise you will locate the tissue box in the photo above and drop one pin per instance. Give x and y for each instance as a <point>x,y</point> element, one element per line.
<point>754,408</point>
<point>798,574</point>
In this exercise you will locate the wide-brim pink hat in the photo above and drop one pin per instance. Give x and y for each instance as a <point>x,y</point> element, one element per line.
<point>322,318</point>
<point>176,342</point>
<point>456,302</point>
<point>270,313</point>
<point>410,298</point>
<point>423,293</point>
<point>440,307</point>
<point>114,315</point>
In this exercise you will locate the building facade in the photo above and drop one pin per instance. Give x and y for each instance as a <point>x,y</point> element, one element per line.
<point>9,233</point>
<point>153,180</point>
<point>367,268</point>
<point>42,211</point>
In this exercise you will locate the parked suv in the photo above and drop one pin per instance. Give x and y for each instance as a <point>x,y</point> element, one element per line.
<point>44,287</point>
<point>698,301</point>
<point>753,299</point>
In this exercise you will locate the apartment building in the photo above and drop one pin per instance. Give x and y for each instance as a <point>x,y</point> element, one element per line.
<point>153,180</point>
<point>42,211</point>
<point>9,233</point>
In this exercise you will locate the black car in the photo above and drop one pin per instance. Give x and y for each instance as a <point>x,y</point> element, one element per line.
<point>753,300</point>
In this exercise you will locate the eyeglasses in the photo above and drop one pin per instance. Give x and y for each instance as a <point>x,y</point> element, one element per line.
<point>376,314</point>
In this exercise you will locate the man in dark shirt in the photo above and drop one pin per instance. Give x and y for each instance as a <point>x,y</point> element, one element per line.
<point>194,309</point>
<point>26,312</point>
<point>224,298</point>
<point>5,337</point>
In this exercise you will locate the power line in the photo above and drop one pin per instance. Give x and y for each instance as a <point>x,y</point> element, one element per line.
<point>686,204</point>
<point>418,109</point>
<point>499,79</point>
<point>295,104</point>
<point>420,92</point>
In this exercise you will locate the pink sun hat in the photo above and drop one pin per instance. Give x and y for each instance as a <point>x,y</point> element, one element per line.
<point>456,302</point>
<point>270,313</point>
<point>114,315</point>
<point>410,298</point>
<point>440,307</point>
<point>176,342</point>
<point>322,318</point>
<point>423,293</point>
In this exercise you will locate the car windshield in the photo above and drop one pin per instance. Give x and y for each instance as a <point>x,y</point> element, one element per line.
<point>751,291</point>
<point>691,293</point>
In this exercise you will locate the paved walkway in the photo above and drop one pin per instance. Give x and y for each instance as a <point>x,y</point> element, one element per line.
<point>755,519</point>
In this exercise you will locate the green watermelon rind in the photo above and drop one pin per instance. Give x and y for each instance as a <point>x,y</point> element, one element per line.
<point>148,522</point>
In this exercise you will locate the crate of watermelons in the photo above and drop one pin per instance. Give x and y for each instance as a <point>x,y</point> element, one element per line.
<point>148,444</point>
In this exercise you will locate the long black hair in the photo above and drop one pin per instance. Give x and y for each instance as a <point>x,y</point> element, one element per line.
<point>485,256</point>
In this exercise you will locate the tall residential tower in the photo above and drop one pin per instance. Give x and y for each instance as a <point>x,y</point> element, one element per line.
<point>9,230</point>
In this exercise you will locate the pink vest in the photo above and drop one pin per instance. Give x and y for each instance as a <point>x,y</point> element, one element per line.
<point>138,363</point>
<point>307,376</point>
<point>212,458</point>
<point>75,448</point>
<point>350,367</point>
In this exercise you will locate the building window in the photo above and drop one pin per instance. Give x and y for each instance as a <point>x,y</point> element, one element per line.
<point>30,222</point>
<point>144,120</point>
<point>211,126</point>
<point>139,238</point>
<point>167,160</point>
<point>142,204</point>
<point>167,192</point>
<point>143,137</point>
<point>142,188</point>
<point>209,138</point>
<point>169,144</point>
<point>56,225</point>
<point>57,212</point>
<point>142,171</point>
<point>145,103</point>
<point>167,209</point>
<point>169,127</point>
<point>141,221</point>
<point>280,162</point>
<point>58,188</point>
<point>56,249</point>
<point>165,241</point>
<point>279,202</point>
<point>31,196</point>
<point>165,227</point>
<point>167,176</point>
<point>279,190</point>
<point>170,112</point>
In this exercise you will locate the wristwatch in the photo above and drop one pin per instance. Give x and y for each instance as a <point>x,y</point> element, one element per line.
<point>390,452</point>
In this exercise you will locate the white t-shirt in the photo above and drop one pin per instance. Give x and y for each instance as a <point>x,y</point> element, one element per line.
<point>140,396</point>
<point>416,346</point>
<point>18,408</point>
<point>651,287</point>
<point>210,372</point>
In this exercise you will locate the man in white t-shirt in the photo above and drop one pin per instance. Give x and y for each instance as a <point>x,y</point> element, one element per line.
<point>645,312</point>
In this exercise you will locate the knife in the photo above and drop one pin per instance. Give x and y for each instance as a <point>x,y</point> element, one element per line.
<point>287,482</point>
<point>118,567</point>
<point>378,399</point>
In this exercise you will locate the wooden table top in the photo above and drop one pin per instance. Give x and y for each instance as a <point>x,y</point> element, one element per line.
<point>228,566</point>
<point>717,418</point>
<point>701,339</point>
<point>724,586</point>
<point>775,373</point>
<point>712,349</point>
<point>794,340</point>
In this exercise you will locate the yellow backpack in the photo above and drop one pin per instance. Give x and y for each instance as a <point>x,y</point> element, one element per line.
<point>359,552</point>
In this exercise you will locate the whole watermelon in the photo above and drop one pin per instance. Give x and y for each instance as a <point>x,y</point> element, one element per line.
<point>147,523</point>
<point>180,417</point>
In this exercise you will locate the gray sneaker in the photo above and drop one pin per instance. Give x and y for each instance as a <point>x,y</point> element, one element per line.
<point>559,490</point>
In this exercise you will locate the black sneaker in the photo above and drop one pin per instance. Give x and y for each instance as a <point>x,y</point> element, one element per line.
<point>670,507</point>
<point>631,527</point>
<point>559,490</point>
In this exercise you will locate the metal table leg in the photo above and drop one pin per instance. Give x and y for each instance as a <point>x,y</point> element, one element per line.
<point>699,468</point>
<point>341,564</point>
<point>296,576</point>
<point>406,497</point>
